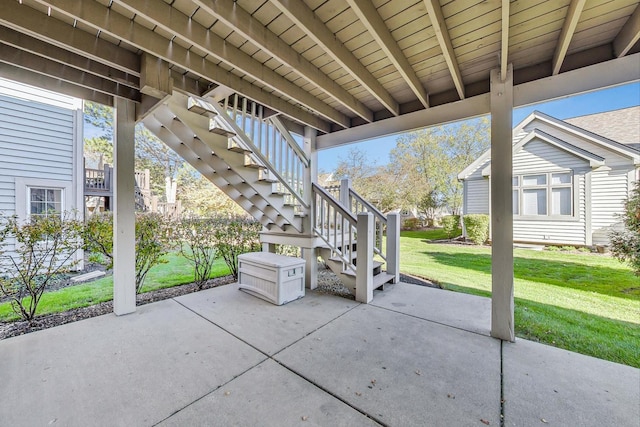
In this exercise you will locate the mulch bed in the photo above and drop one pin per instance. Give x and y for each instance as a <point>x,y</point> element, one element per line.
<point>327,280</point>
<point>12,329</point>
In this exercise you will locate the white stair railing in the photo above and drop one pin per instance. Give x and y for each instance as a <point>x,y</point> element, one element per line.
<point>340,229</point>
<point>336,226</point>
<point>388,225</point>
<point>270,143</point>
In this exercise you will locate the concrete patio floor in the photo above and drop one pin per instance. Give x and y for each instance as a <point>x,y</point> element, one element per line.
<point>415,356</point>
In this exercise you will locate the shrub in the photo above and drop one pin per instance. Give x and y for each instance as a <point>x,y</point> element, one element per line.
<point>625,244</point>
<point>196,241</point>
<point>477,226</point>
<point>411,224</point>
<point>44,250</point>
<point>98,236</point>
<point>236,235</point>
<point>451,225</point>
<point>288,250</point>
<point>152,242</point>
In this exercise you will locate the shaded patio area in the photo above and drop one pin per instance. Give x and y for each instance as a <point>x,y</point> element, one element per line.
<point>415,356</point>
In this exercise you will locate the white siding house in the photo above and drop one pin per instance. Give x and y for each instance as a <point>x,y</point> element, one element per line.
<point>569,184</point>
<point>40,152</point>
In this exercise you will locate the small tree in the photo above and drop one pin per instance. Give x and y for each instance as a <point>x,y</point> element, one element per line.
<point>234,236</point>
<point>98,236</point>
<point>428,205</point>
<point>625,244</point>
<point>44,250</point>
<point>196,239</point>
<point>152,241</point>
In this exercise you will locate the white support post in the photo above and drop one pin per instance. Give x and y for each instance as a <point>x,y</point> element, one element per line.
<point>502,322</point>
<point>124,219</point>
<point>345,184</point>
<point>393,246</point>
<point>310,255</point>
<point>364,258</point>
<point>269,247</point>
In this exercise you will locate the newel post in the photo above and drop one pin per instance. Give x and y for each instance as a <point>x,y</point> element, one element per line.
<point>345,184</point>
<point>393,246</point>
<point>364,258</point>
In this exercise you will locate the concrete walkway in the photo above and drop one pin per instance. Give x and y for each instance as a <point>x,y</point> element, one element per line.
<point>415,356</point>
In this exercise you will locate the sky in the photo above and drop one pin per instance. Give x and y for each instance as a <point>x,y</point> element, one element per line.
<point>377,150</point>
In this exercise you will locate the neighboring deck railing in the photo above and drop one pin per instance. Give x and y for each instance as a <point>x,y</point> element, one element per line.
<point>98,181</point>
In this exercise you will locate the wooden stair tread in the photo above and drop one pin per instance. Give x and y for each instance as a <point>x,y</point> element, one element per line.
<point>221,131</point>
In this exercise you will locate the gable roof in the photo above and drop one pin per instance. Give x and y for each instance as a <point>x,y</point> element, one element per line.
<point>521,137</point>
<point>593,159</point>
<point>622,149</point>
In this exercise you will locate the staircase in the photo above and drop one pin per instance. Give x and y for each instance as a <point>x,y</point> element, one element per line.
<point>254,159</point>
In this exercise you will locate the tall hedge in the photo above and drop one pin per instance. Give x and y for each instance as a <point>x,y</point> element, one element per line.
<point>477,226</point>
<point>451,225</point>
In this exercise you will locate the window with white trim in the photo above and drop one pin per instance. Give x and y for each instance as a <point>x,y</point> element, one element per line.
<point>544,194</point>
<point>37,197</point>
<point>44,202</point>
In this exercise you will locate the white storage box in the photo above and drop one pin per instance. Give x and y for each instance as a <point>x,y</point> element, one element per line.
<point>276,278</point>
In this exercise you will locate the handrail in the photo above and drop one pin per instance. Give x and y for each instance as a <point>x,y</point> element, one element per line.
<point>292,142</point>
<point>334,190</point>
<point>334,201</point>
<point>329,212</point>
<point>369,207</point>
<point>281,163</point>
<point>358,204</point>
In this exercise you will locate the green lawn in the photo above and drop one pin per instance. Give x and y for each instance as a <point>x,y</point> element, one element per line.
<point>578,301</point>
<point>581,302</point>
<point>177,271</point>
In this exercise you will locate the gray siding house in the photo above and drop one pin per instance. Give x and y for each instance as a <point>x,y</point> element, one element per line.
<point>569,183</point>
<point>41,169</point>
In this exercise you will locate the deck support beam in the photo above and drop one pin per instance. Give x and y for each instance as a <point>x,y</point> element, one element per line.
<point>310,255</point>
<point>502,321</point>
<point>124,219</point>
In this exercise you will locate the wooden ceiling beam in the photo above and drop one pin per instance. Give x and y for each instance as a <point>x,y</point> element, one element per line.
<point>171,20</point>
<point>29,61</point>
<point>305,19</point>
<point>504,42</point>
<point>32,78</point>
<point>371,19</point>
<point>442,34</point>
<point>628,35</point>
<point>232,15</point>
<point>94,14</point>
<point>25,19</point>
<point>568,28</point>
<point>63,56</point>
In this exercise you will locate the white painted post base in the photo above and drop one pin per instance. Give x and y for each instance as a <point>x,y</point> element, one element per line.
<point>393,246</point>
<point>269,247</point>
<point>364,258</point>
<point>311,267</point>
